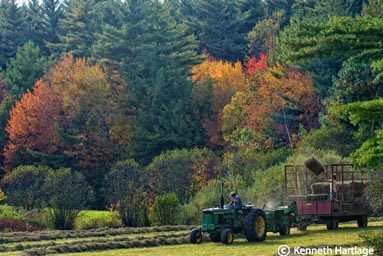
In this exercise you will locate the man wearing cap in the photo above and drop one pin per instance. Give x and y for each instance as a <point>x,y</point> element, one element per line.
<point>236,202</point>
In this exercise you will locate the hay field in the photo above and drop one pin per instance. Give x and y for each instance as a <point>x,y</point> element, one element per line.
<point>170,241</point>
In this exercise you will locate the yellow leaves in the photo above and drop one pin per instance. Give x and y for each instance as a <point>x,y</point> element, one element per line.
<point>79,84</point>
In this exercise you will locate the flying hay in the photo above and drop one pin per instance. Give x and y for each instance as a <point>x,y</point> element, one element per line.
<point>313,165</point>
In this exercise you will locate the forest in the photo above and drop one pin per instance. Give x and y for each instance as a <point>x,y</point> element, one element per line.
<point>140,104</point>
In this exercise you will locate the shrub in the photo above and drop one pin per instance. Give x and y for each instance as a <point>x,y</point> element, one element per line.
<point>98,219</point>
<point>22,186</point>
<point>13,225</point>
<point>183,172</point>
<point>373,195</point>
<point>9,211</point>
<point>2,197</point>
<point>166,210</point>
<point>68,193</point>
<point>191,214</point>
<point>374,240</point>
<point>124,189</point>
<point>329,138</point>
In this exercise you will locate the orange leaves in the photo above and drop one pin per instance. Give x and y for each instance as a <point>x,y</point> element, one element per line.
<point>32,121</point>
<point>253,66</point>
<point>79,84</point>
<point>249,119</point>
<point>70,115</point>
<point>227,79</point>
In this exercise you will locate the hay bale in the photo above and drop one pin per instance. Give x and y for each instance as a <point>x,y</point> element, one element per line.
<point>296,198</point>
<point>346,189</point>
<point>313,165</point>
<point>320,188</point>
<point>317,197</point>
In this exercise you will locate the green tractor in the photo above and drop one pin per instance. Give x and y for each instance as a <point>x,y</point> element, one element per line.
<point>222,222</point>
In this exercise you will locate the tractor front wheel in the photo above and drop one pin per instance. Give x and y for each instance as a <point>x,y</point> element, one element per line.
<point>195,236</point>
<point>255,225</point>
<point>227,236</point>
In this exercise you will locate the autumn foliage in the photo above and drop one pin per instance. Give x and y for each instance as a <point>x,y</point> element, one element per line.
<point>32,123</point>
<point>69,114</point>
<point>226,79</point>
<point>247,100</point>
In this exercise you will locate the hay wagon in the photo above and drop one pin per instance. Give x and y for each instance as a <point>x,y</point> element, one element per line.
<point>328,194</point>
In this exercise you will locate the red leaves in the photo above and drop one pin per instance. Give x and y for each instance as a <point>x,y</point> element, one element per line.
<point>253,66</point>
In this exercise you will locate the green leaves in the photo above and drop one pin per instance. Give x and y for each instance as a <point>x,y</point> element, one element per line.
<point>358,39</point>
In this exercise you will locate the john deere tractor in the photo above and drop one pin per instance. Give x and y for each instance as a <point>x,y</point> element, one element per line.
<point>222,222</point>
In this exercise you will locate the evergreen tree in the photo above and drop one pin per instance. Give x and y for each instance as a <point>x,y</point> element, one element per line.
<point>221,27</point>
<point>34,25</point>
<point>24,70</point>
<point>12,30</point>
<point>77,29</point>
<point>22,73</point>
<point>50,13</point>
<point>155,55</point>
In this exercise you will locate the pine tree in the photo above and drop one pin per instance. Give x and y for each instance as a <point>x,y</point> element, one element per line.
<point>220,28</point>
<point>155,55</point>
<point>24,70</point>
<point>50,13</point>
<point>12,30</point>
<point>78,28</point>
<point>34,25</point>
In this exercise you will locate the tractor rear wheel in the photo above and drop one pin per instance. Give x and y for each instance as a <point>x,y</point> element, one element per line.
<point>362,221</point>
<point>284,229</point>
<point>215,236</point>
<point>255,225</point>
<point>195,236</point>
<point>227,236</point>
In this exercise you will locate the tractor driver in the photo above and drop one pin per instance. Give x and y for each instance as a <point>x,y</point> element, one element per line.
<point>236,202</point>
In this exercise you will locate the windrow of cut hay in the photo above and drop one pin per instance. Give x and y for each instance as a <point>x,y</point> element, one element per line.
<point>108,244</point>
<point>13,237</point>
<point>84,245</point>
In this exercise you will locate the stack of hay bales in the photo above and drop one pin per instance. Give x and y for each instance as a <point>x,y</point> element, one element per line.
<point>320,188</point>
<point>320,191</point>
<point>347,190</point>
<point>297,198</point>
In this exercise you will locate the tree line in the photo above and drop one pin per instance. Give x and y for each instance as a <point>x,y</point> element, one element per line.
<point>179,93</point>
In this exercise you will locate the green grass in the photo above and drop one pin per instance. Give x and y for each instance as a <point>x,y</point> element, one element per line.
<point>97,219</point>
<point>347,234</point>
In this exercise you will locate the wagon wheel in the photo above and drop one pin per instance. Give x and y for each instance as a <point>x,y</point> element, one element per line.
<point>255,225</point>
<point>332,224</point>
<point>362,221</point>
<point>302,227</point>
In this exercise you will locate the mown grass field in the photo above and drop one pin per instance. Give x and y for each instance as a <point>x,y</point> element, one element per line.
<point>170,241</point>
